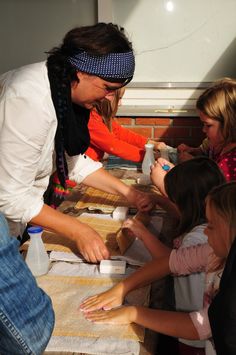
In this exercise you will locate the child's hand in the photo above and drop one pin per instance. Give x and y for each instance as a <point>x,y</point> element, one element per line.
<point>136,227</point>
<point>143,200</point>
<point>123,315</point>
<point>106,300</point>
<point>183,148</point>
<point>159,145</point>
<point>163,161</point>
<point>158,173</point>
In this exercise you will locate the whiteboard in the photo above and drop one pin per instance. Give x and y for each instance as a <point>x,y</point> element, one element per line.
<point>180,41</point>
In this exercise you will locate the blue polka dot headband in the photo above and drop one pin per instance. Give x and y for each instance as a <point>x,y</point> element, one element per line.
<point>112,65</point>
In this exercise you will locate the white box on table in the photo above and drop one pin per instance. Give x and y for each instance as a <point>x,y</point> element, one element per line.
<point>112,267</point>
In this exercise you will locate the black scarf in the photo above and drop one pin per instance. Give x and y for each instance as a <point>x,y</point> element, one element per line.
<point>72,133</point>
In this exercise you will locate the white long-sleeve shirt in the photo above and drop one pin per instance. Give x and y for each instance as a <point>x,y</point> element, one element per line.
<point>28,125</point>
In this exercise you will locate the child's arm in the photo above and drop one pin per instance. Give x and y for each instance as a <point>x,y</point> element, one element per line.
<point>114,297</point>
<point>113,143</point>
<point>180,262</point>
<point>158,173</point>
<point>187,153</point>
<point>196,151</point>
<point>176,324</point>
<point>191,150</point>
<point>133,138</point>
<point>156,248</point>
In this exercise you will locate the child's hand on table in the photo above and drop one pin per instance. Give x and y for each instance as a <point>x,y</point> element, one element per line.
<point>122,315</point>
<point>105,300</point>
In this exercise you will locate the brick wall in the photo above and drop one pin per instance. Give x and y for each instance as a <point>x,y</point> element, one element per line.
<point>173,131</point>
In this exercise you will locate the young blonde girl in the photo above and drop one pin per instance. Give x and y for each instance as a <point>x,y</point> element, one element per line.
<point>217,111</point>
<point>108,136</point>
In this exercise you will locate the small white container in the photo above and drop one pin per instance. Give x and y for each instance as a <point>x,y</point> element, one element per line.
<point>144,180</point>
<point>112,267</point>
<point>148,159</point>
<point>120,213</point>
<point>37,258</point>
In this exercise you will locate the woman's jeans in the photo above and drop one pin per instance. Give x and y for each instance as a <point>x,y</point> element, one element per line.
<point>26,313</point>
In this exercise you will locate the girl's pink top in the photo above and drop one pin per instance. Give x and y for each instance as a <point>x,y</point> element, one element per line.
<point>184,261</point>
<point>226,162</point>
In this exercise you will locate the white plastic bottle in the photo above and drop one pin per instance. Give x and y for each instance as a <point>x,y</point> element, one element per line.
<point>148,159</point>
<point>37,258</point>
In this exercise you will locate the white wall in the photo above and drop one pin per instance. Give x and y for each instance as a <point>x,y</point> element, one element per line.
<point>180,47</point>
<point>193,43</point>
<point>180,40</point>
<point>28,28</point>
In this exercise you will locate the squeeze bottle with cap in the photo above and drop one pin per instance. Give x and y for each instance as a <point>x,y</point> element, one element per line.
<point>37,258</point>
<point>148,159</point>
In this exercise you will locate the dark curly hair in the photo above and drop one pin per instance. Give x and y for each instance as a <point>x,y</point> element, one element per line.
<point>99,39</point>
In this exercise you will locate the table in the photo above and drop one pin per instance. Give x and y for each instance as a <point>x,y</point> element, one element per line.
<point>157,290</point>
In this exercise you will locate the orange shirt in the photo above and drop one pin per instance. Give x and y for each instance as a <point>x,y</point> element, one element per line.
<point>120,142</point>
